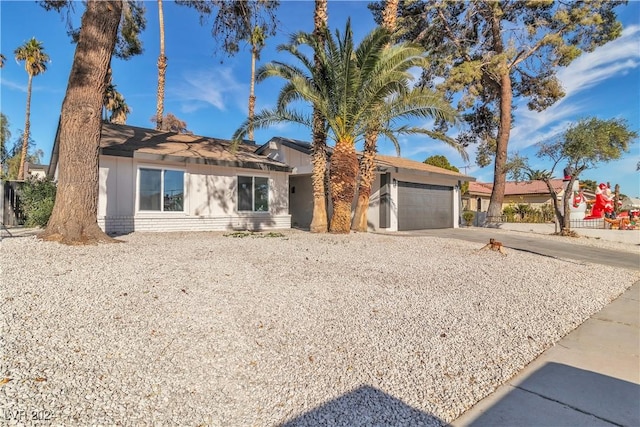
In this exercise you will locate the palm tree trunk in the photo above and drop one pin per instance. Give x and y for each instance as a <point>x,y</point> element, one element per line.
<point>25,135</point>
<point>162,70</point>
<point>367,163</point>
<point>319,222</point>
<point>367,174</point>
<point>74,216</point>
<point>390,15</point>
<point>343,174</point>
<point>252,94</point>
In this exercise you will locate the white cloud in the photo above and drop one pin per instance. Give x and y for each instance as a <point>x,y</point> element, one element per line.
<point>12,85</point>
<point>616,58</point>
<point>217,88</point>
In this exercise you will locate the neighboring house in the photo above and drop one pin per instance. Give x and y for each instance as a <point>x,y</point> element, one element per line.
<point>162,181</point>
<point>36,171</point>
<point>533,193</point>
<point>406,194</point>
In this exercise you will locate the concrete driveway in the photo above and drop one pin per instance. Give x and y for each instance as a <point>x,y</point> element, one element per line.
<point>533,243</point>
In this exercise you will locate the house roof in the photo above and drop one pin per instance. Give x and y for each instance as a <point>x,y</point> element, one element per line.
<point>517,188</point>
<point>126,141</point>
<point>296,144</point>
<point>402,163</point>
<point>382,162</point>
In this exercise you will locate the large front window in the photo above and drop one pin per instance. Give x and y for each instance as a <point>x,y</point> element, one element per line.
<point>161,190</point>
<point>253,194</point>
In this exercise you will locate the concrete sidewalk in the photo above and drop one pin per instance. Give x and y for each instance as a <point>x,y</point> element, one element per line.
<point>590,378</point>
<point>621,236</point>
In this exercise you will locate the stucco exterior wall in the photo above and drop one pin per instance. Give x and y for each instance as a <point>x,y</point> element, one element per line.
<point>535,200</point>
<point>300,161</point>
<point>210,199</point>
<point>301,200</point>
<point>373,213</point>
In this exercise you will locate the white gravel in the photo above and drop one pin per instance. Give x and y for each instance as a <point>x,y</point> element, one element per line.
<point>203,329</point>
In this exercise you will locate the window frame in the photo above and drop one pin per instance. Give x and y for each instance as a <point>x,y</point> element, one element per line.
<point>253,194</point>
<point>162,170</point>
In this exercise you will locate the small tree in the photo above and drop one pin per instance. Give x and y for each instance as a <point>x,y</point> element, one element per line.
<point>12,157</point>
<point>5,135</point>
<point>171,123</point>
<point>442,162</point>
<point>584,145</point>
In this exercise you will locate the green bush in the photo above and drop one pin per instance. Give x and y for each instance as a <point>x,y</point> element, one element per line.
<point>509,212</point>
<point>468,217</point>
<point>37,198</point>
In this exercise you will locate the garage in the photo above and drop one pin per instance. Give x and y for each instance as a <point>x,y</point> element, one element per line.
<point>423,206</point>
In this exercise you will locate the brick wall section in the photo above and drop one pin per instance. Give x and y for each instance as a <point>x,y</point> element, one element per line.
<point>129,224</point>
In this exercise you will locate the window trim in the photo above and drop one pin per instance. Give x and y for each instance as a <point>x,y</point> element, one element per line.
<point>162,169</point>
<point>253,194</point>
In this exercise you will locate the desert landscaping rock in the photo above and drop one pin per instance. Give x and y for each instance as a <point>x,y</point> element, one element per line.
<point>203,329</point>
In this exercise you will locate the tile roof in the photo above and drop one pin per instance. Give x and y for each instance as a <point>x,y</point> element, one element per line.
<point>517,188</point>
<point>123,140</point>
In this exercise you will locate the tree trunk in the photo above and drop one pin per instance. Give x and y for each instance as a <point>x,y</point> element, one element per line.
<point>25,135</point>
<point>367,164</point>
<point>494,213</point>
<point>162,70</point>
<point>367,174</point>
<point>343,174</point>
<point>252,93</point>
<point>565,226</point>
<point>390,15</point>
<point>74,216</point>
<point>556,208</point>
<point>319,222</point>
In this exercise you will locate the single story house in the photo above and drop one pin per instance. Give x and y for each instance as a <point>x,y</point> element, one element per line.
<point>533,193</point>
<point>406,194</point>
<point>36,171</point>
<point>153,180</point>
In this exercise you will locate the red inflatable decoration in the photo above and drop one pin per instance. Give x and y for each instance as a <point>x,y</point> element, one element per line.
<point>603,205</point>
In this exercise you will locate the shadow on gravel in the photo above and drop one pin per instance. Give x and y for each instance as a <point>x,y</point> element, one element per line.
<point>561,395</point>
<point>365,406</point>
<point>9,232</point>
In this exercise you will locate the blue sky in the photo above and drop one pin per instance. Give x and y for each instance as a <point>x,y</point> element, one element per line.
<point>209,91</point>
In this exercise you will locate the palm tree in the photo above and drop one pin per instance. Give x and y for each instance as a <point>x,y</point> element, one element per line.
<point>35,62</point>
<point>349,88</point>
<point>367,163</point>
<point>119,109</point>
<point>114,102</point>
<point>319,220</point>
<point>257,40</point>
<point>108,101</point>
<point>162,70</point>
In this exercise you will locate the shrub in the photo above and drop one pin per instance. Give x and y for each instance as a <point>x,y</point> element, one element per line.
<point>548,213</point>
<point>37,197</point>
<point>509,212</point>
<point>468,216</point>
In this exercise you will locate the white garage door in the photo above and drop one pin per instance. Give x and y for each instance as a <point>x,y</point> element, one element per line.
<point>423,206</point>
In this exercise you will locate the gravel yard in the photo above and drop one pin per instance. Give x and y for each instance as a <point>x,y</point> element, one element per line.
<point>207,329</point>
